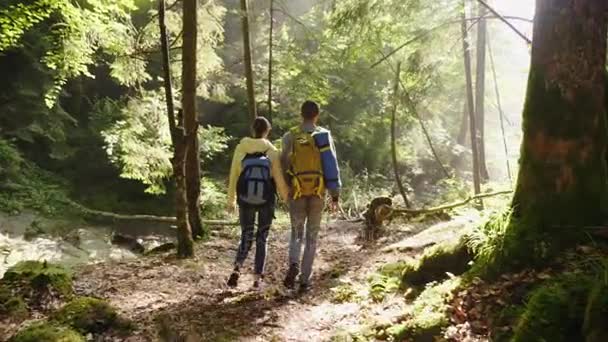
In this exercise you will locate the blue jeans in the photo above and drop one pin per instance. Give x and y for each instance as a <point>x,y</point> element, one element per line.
<point>247,216</point>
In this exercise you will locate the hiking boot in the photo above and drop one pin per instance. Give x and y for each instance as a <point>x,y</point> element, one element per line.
<point>290,278</point>
<point>258,283</point>
<point>233,280</point>
<point>304,288</point>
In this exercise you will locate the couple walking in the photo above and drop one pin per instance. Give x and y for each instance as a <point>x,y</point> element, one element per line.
<point>302,172</point>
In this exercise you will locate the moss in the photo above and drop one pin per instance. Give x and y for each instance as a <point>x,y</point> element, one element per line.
<point>11,304</point>
<point>555,311</point>
<point>90,315</point>
<point>596,312</point>
<point>40,276</point>
<point>44,332</point>
<point>429,313</point>
<point>453,257</point>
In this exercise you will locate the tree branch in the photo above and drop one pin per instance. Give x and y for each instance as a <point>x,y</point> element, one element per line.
<point>504,20</point>
<point>452,205</point>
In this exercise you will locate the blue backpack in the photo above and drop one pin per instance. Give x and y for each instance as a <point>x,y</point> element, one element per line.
<point>255,187</point>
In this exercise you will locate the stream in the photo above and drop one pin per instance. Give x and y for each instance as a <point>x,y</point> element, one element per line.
<point>79,244</point>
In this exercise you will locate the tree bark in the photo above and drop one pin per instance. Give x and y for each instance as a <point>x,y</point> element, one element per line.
<point>185,243</point>
<point>562,176</point>
<point>480,87</point>
<point>193,167</point>
<point>470,104</point>
<point>184,237</point>
<point>251,105</point>
<point>189,106</point>
<point>464,126</point>
<point>394,138</point>
<point>270,47</point>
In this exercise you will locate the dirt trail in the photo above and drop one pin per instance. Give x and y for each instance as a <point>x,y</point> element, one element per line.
<point>187,300</point>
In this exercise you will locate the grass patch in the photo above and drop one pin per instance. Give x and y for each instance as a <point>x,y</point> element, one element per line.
<point>45,332</point>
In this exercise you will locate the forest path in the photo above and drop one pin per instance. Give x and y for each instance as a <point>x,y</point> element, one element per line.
<point>187,300</point>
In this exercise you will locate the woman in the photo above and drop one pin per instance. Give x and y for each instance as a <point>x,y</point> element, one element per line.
<point>255,176</point>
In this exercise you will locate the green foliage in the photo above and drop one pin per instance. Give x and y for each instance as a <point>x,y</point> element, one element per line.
<point>30,187</point>
<point>10,161</point>
<point>213,198</point>
<point>40,276</point>
<point>16,19</point>
<point>345,293</point>
<point>487,240</point>
<point>360,188</point>
<point>45,332</point>
<point>382,285</point>
<point>140,142</point>
<point>507,243</point>
<point>90,315</point>
<point>596,311</point>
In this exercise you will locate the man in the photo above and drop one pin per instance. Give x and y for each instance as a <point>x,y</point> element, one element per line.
<point>309,157</point>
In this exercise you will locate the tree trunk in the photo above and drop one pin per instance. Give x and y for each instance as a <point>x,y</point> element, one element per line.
<point>189,104</point>
<point>185,243</point>
<point>184,237</point>
<point>193,182</point>
<point>193,167</point>
<point>562,175</point>
<point>251,105</point>
<point>394,139</point>
<point>480,87</point>
<point>271,11</point>
<point>470,104</point>
<point>501,114</point>
<point>464,126</point>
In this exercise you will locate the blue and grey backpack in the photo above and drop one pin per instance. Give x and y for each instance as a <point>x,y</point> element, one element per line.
<point>255,187</point>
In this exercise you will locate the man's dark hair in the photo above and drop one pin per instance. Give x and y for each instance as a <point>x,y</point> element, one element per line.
<point>310,110</point>
<point>260,126</point>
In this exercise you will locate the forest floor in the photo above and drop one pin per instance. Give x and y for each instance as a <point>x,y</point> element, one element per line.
<point>187,300</point>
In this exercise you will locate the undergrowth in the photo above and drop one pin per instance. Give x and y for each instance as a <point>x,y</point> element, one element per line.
<point>25,186</point>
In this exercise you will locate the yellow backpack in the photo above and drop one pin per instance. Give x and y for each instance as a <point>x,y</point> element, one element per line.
<point>306,169</point>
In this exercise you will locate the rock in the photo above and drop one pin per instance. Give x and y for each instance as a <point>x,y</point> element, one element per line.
<point>165,247</point>
<point>128,242</point>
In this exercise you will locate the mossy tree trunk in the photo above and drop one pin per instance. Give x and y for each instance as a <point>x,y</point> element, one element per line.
<point>562,176</point>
